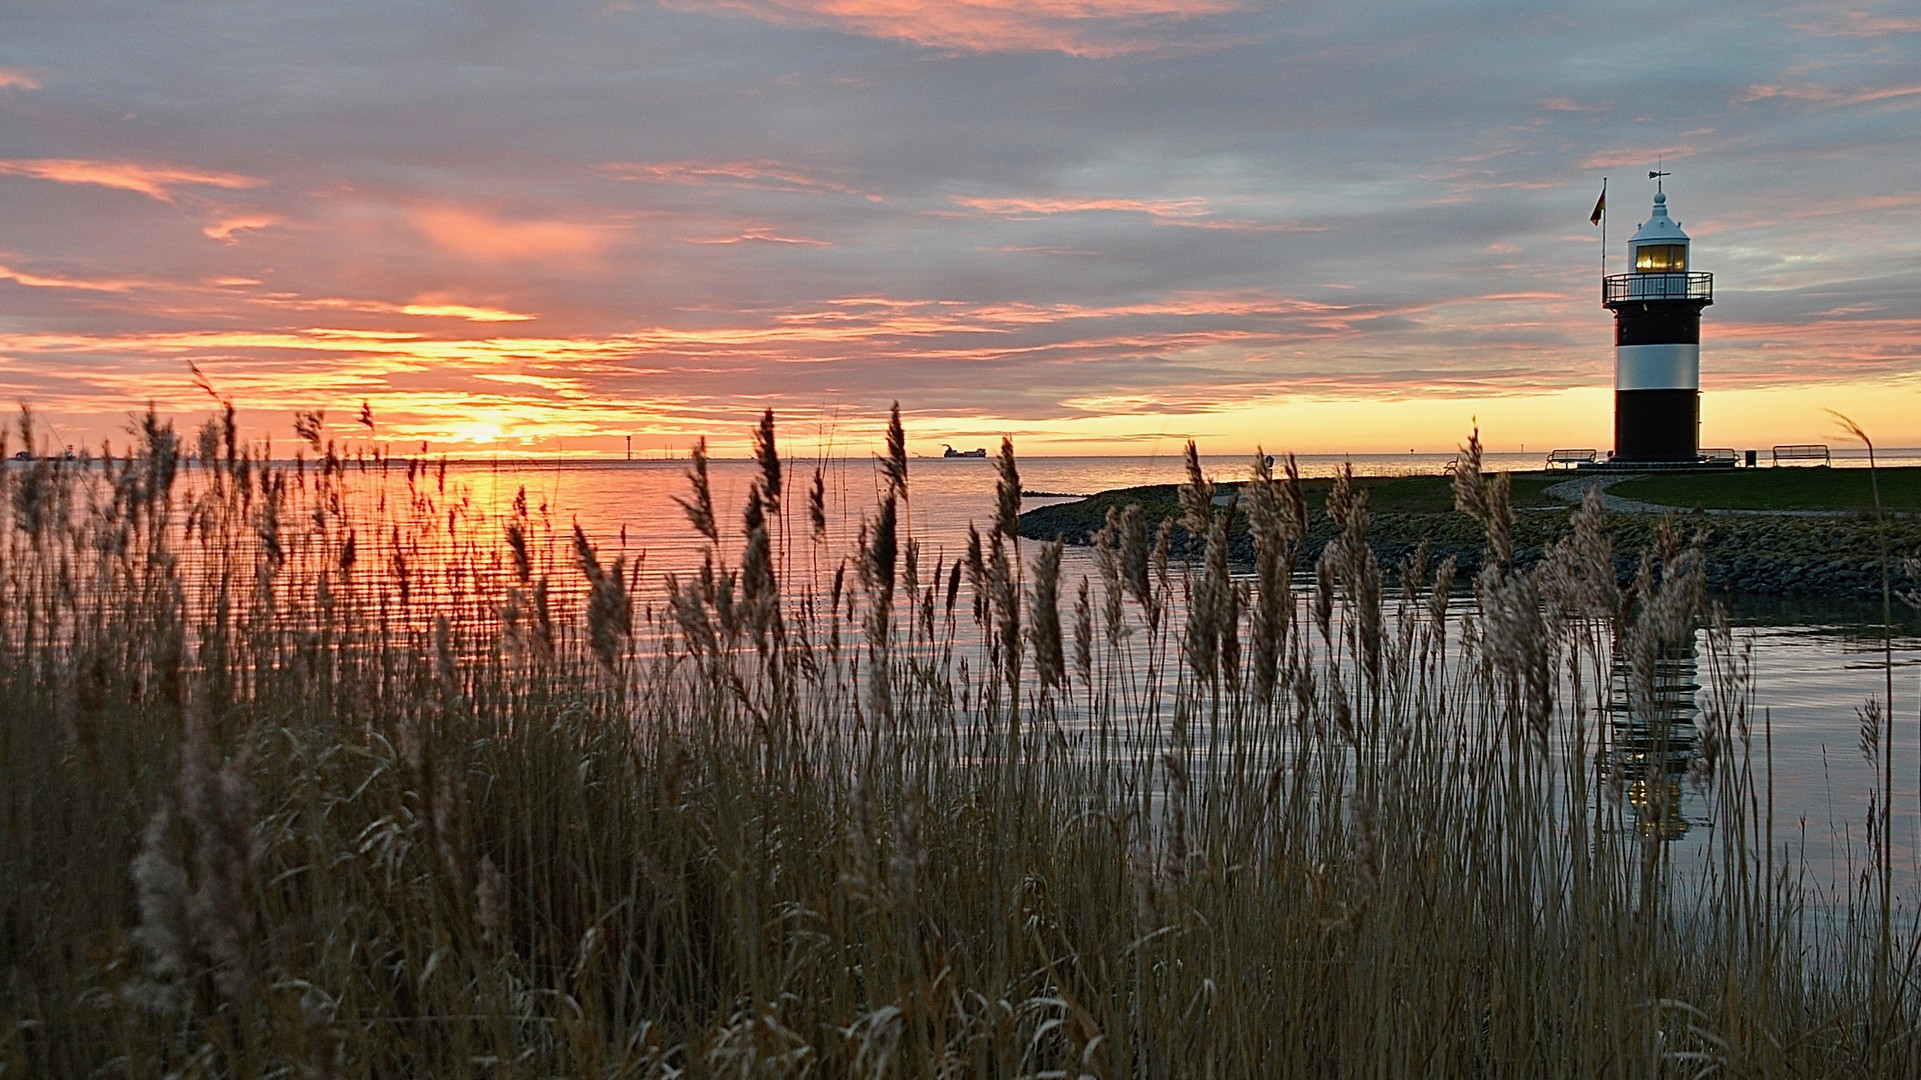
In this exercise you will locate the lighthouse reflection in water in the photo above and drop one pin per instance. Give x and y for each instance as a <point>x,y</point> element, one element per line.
<point>1652,714</point>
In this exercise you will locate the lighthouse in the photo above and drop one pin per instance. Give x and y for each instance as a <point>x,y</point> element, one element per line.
<point>1657,343</point>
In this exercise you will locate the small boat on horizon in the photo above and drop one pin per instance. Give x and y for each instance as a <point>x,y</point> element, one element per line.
<point>977,452</point>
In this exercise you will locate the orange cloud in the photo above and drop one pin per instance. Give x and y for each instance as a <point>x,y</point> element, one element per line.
<point>462,311</point>
<point>15,79</point>
<point>561,386</point>
<point>1092,28</point>
<point>471,233</point>
<point>443,380</point>
<point>55,281</point>
<point>429,307</point>
<point>153,181</point>
<point>791,336</point>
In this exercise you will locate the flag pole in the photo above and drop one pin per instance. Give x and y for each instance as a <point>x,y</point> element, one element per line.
<point>1604,233</point>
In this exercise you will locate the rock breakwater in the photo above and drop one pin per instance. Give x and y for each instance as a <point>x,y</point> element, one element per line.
<point>1782,554</point>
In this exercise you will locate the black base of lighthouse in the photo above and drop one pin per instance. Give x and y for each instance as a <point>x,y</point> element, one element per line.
<point>1657,425</point>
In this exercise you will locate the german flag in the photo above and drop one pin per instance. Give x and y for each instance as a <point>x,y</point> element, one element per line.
<point>1600,207</point>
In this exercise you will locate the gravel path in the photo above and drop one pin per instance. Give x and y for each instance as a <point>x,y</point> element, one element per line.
<point>1573,491</point>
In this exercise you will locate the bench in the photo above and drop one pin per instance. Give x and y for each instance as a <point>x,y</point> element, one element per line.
<point>1803,452</point>
<point>1569,459</point>
<point>1719,453</point>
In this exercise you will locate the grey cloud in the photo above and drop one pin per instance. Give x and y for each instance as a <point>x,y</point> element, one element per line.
<point>1404,162</point>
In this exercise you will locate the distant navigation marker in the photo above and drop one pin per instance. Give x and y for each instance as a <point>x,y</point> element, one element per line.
<point>1657,342</point>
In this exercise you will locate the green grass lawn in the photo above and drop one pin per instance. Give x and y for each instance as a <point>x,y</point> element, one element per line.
<point>1808,488</point>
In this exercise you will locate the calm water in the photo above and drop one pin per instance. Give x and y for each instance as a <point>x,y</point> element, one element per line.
<point>946,493</point>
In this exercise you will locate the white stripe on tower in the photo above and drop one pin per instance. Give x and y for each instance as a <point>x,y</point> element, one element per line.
<point>1657,367</point>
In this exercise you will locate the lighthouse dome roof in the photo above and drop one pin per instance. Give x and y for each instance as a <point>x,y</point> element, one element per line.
<point>1659,227</point>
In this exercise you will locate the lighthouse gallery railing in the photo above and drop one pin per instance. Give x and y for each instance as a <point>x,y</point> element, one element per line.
<point>1625,288</point>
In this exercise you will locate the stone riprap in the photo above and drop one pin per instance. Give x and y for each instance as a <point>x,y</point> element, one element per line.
<point>1772,553</point>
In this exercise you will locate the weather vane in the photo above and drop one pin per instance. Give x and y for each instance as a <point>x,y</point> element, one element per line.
<point>1655,174</point>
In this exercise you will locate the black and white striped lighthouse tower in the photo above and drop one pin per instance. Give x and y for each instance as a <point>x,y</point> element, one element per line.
<point>1657,343</point>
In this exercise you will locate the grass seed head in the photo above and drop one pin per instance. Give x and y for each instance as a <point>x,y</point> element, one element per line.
<point>1135,555</point>
<point>1007,489</point>
<point>162,894</point>
<point>490,900</point>
<point>699,508</point>
<point>1045,618</point>
<point>817,506</point>
<point>1325,575</point>
<point>894,465</point>
<point>768,457</point>
<point>1197,497</point>
<point>610,612</point>
<point>1084,634</point>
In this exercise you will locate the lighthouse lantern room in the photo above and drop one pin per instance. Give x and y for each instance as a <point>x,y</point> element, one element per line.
<point>1657,343</point>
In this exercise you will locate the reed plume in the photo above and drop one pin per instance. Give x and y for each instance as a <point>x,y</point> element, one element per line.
<point>767,456</point>
<point>894,465</point>
<point>700,507</point>
<point>1050,660</point>
<point>609,611</point>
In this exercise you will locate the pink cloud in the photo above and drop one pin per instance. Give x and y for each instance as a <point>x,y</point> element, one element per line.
<point>1190,213</point>
<point>1824,95</point>
<point>227,226</point>
<point>472,233</point>
<point>1635,157</point>
<point>1018,207</point>
<point>772,175</point>
<point>1092,28</point>
<point>1860,24</point>
<point>16,79</point>
<point>153,181</point>
<point>1561,104</point>
<point>762,236</point>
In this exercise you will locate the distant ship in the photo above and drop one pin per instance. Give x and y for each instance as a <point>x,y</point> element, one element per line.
<point>979,452</point>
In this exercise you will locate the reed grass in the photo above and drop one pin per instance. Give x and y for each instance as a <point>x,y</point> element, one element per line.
<point>299,775</point>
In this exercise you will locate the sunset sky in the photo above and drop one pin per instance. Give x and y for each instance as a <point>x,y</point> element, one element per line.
<point>1096,225</point>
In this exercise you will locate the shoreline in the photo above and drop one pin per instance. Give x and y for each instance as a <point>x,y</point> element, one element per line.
<point>1783,552</point>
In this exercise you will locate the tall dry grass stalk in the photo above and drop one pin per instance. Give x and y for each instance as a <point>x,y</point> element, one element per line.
<point>302,772</point>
